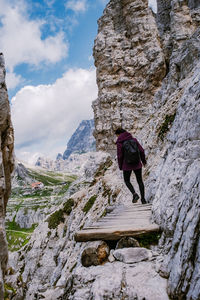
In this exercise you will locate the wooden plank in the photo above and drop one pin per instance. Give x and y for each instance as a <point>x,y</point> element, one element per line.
<point>124,221</point>
<point>131,214</point>
<point>114,233</point>
<point>130,220</point>
<point>132,217</point>
<point>135,224</point>
<point>114,226</point>
<point>121,219</point>
<point>140,210</point>
<point>133,207</point>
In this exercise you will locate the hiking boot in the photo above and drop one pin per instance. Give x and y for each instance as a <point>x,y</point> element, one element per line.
<point>135,198</point>
<point>143,201</point>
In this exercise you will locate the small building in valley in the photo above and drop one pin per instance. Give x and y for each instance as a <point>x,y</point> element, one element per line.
<point>37,185</point>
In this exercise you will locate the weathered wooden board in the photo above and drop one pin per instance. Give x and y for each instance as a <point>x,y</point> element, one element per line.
<point>113,233</point>
<point>123,221</point>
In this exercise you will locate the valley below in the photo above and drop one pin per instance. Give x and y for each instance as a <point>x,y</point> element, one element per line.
<point>30,204</point>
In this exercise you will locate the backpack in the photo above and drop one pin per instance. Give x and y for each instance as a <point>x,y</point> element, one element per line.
<point>131,152</point>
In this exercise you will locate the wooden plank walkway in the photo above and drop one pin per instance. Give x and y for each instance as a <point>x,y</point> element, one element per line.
<point>134,220</point>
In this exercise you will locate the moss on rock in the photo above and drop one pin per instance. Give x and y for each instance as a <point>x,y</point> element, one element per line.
<point>67,208</point>
<point>58,216</point>
<point>55,219</point>
<point>89,203</point>
<point>149,239</point>
<point>9,291</point>
<point>164,128</point>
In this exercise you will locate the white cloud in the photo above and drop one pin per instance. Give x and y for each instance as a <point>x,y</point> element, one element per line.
<point>76,5</point>
<point>153,5</point>
<point>45,116</point>
<point>28,157</point>
<point>12,80</point>
<point>21,38</point>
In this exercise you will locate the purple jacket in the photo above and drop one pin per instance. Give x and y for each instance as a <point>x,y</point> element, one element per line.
<point>121,162</point>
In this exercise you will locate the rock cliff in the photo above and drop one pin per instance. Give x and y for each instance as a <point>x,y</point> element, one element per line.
<point>130,67</point>
<point>6,167</point>
<point>82,139</point>
<point>148,79</point>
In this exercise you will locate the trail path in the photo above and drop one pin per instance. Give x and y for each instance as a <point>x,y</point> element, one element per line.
<point>134,220</point>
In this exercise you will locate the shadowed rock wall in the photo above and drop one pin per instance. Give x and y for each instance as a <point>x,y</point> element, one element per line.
<point>6,167</point>
<point>176,21</point>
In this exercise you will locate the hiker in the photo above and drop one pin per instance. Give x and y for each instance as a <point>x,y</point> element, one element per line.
<point>127,164</point>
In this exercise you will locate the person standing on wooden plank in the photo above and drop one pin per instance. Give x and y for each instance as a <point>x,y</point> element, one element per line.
<point>131,156</point>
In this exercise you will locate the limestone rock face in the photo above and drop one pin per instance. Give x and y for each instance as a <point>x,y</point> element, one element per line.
<point>177,21</point>
<point>171,132</point>
<point>130,67</point>
<point>177,200</point>
<point>6,167</point>
<point>116,281</point>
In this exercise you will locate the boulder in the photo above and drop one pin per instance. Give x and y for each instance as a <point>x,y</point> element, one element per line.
<point>127,242</point>
<point>95,253</point>
<point>132,255</point>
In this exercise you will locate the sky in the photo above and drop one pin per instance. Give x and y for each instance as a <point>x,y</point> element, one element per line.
<point>50,73</point>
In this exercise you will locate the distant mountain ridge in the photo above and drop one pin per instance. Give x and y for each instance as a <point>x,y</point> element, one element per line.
<point>82,140</point>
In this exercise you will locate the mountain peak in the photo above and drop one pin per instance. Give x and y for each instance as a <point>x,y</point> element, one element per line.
<point>82,139</point>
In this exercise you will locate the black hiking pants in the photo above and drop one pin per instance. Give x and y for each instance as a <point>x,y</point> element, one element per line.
<point>138,174</point>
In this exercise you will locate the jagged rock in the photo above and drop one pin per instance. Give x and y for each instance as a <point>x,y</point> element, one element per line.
<point>6,167</point>
<point>59,156</point>
<point>132,255</point>
<point>163,15</point>
<point>21,175</point>
<point>82,139</point>
<point>45,163</point>
<point>116,281</point>
<point>176,204</point>
<point>177,21</point>
<point>127,242</point>
<point>75,164</point>
<point>130,67</point>
<point>171,146</point>
<point>95,253</point>
<point>97,165</point>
